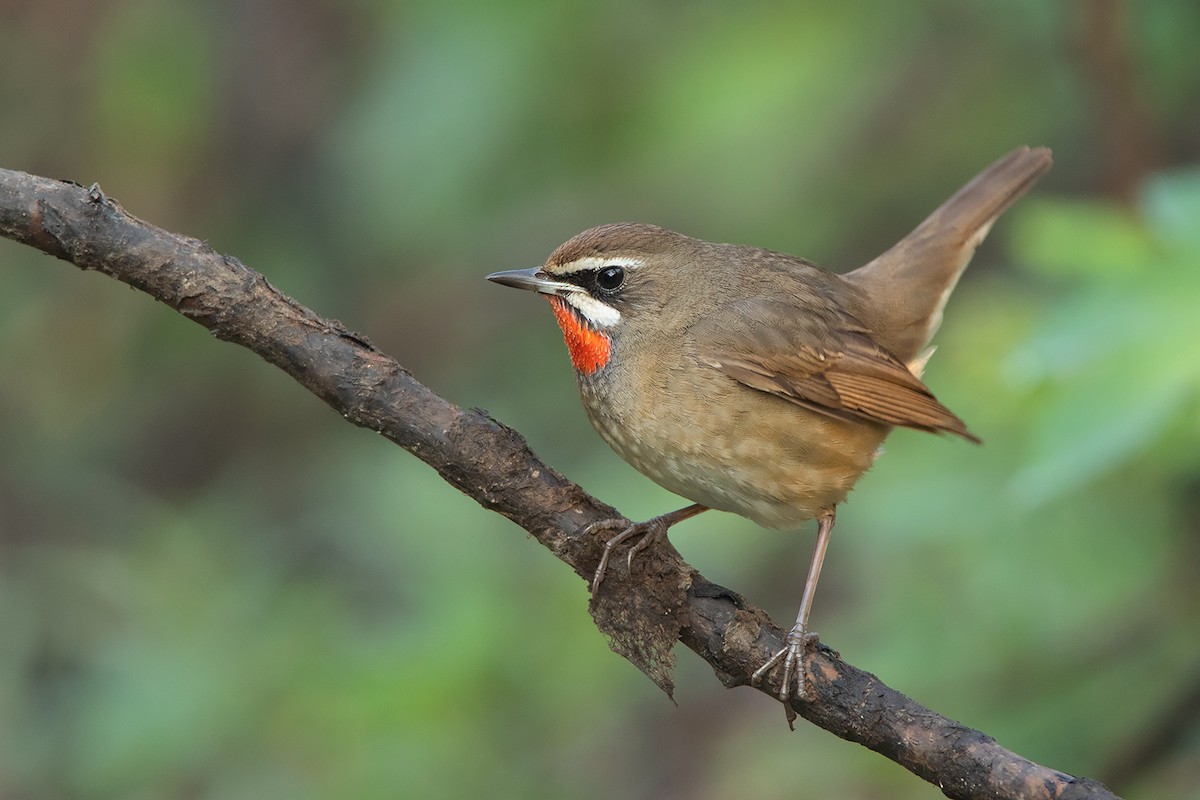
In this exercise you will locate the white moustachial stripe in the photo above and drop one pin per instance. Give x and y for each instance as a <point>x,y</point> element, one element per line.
<point>598,313</point>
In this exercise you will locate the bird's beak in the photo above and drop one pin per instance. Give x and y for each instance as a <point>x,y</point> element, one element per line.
<point>532,279</point>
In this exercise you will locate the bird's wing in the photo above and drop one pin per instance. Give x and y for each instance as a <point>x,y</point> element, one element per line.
<point>820,358</point>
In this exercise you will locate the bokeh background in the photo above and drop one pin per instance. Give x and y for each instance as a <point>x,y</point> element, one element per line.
<point>213,587</point>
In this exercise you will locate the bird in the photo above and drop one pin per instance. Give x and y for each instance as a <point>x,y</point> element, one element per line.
<point>752,381</point>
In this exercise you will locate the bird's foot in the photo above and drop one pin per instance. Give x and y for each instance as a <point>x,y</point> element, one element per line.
<point>650,531</point>
<point>798,639</point>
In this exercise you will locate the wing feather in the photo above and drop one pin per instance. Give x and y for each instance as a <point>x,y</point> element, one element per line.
<point>821,358</point>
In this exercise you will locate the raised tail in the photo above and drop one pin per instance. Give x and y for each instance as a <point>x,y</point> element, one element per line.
<point>907,287</point>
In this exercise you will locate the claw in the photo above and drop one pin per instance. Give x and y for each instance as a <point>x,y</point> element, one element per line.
<point>798,639</point>
<point>643,529</point>
<point>792,656</point>
<point>651,530</point>
<point>657,531</point>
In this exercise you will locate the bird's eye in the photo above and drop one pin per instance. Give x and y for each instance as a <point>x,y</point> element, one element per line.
<point>610,279</point>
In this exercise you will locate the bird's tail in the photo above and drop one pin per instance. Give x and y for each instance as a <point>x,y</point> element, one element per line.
<point>907,287</point>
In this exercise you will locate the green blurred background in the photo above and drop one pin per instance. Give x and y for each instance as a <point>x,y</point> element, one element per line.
<point>212,587</point>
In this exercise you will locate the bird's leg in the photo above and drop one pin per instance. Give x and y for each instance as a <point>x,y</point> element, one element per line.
<point>650,530</point>
<point>798,637</point>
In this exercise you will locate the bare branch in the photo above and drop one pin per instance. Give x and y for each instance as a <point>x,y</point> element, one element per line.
<point>492,464</point>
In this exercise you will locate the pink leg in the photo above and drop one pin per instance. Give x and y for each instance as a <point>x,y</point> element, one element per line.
<point>799,637</point>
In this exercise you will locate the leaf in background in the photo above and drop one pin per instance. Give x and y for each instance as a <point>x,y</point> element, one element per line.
<point>1118,362</point>
<point>1172,204</point>
<point>1079,239</point>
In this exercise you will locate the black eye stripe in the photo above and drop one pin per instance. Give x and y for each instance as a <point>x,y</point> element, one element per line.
<point>584,278</point>
<point>605,280</point>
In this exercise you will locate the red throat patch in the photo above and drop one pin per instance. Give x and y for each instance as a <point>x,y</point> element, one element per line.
<point>589,349</point>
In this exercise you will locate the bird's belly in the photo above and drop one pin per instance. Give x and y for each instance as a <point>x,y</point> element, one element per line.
<point>767,459</point>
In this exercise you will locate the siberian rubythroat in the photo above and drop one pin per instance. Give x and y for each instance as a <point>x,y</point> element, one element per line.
<point>753,381</point>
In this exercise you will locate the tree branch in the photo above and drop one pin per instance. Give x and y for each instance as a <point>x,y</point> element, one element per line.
<point>492,464</point>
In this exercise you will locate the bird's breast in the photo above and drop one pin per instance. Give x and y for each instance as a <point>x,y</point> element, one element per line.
<point>702,435</point>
